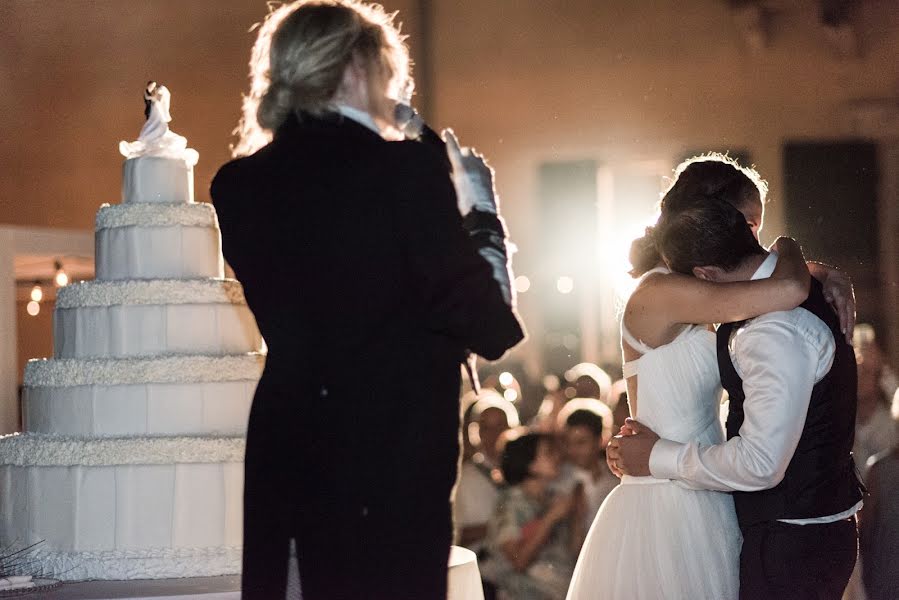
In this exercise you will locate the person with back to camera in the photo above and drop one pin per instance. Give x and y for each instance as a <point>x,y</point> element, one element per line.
<point>355,250</point>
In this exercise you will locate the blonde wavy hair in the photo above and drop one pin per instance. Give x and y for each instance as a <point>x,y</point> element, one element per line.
<point>299,58</point>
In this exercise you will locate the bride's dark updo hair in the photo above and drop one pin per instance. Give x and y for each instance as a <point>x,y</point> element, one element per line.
<point>707,178</point>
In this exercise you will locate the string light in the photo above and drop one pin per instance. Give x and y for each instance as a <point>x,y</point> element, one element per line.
<point>33,308</point>
<point>37,293</point>
<point>61,278</point>
<point>565,285</point>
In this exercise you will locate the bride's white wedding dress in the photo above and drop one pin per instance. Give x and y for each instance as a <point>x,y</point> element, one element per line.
<point>654,539</point>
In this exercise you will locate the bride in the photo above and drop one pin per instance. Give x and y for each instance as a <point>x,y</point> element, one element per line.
<point>653,539</point>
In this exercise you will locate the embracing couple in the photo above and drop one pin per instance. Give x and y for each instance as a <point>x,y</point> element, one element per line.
<point>787,527</point>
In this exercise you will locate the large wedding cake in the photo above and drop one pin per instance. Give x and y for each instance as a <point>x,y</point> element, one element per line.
<point>130,465</point>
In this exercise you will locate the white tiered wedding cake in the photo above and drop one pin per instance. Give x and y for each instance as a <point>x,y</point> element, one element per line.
<point>130,465</point>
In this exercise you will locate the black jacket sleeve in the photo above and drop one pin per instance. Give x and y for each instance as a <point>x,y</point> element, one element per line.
<point>462,299</point>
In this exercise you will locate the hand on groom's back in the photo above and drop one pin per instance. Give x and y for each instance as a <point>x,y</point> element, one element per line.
<point>628,453</point>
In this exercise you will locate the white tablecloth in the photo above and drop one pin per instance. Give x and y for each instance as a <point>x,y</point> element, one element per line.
<point>464,577</point>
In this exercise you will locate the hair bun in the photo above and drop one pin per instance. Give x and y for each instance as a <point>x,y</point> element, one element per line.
<point>644,254</point>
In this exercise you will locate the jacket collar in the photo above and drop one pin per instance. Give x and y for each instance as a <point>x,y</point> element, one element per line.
<point>333,122</point>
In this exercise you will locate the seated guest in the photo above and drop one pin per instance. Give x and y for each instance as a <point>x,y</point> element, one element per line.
<point>586,426</point>
<point>479,477</point>
<point>530,534</point>
<point>875,430</point>
<point>879,523</point>
<point>864,340</point>
<point>589,381</point>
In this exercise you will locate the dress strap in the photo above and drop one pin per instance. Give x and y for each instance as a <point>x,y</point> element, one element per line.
<point>632,341</point>
<point>629,369</point>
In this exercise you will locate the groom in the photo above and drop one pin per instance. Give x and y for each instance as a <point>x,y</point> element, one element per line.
<point>791,379</point>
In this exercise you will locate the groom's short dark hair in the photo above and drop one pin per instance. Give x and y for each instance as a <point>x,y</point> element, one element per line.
<point>710,232</point>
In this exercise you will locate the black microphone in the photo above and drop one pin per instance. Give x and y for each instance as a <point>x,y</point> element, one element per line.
<point>414,128</point>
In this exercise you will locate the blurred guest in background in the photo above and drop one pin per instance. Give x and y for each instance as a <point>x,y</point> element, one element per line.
<point>879,523</point>
<point>589,381</point>
<point>869,351</point>
<point>586,425</point>
<point>619,404</point>
<point>403,266</point>
<point>480,478</point>
<point>530,536</point>
<point>547,418</point>
<point>875,430</point>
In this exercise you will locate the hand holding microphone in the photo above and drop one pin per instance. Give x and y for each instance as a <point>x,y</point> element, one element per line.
<point>475,195</point>
<point>472,177</point>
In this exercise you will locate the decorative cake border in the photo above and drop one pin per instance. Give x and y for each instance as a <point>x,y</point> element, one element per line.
<point>50,372</point>
<point>38,450</point>
<point>150,291</point>
<point>153,563</point>
<point>147,214</point>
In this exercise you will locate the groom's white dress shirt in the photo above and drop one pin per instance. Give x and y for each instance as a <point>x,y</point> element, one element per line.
<point>780,356</point>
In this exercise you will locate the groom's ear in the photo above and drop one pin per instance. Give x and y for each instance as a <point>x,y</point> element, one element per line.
<point>706,273</point>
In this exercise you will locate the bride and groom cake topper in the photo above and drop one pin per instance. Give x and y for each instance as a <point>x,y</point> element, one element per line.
<point>155,138</point>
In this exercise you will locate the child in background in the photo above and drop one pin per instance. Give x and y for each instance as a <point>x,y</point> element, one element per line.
<point>530,534</point>
<point>586,426</point>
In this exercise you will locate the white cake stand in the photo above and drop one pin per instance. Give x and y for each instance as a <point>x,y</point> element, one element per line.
<point>464,584</point>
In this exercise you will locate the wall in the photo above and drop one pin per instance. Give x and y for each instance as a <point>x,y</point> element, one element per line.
<point>526,81</point>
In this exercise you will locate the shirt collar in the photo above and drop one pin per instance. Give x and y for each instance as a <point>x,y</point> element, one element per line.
<point>766,268</point>
<point>359,116</point>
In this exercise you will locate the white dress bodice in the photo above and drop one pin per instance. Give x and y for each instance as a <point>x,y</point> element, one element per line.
<point>678,386</point>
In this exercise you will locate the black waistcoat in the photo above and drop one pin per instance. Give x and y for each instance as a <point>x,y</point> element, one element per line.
<point>821,479</point>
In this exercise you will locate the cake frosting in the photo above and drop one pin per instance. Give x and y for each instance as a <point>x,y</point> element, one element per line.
<point>134,409</point>
<point>130,465</point>
<point>158,241</point>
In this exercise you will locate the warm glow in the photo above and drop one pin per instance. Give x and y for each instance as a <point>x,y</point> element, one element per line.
<point>565,285</point>
<point>61,278</point>
<point>33,308</point>
<point>506,379</point>
<point>522,284</point>
<point>37,294</point>
<point>614,256</point>
<point>551,383</point>
<point>510,395</point>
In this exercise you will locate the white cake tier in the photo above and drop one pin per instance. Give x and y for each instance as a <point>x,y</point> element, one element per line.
<point>157,179</point>
<point>158,241</point>
<point>201,408</point>
<point>48,372</point>
<point>137,508</point>
<point>150,318</point>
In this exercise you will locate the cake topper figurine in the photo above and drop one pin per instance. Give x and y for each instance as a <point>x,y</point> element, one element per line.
<point>155,138</point>
<point>148,96</point>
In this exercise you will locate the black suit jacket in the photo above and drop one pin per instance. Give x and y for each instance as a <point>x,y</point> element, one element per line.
<point>368,291</point>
